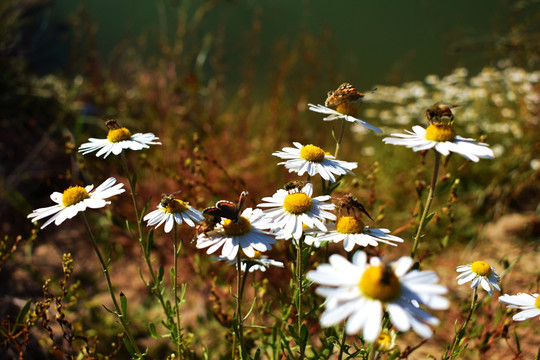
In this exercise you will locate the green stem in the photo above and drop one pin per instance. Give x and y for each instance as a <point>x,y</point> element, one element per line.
<point>428,203</point>
<point>240,292</point>
<point>155,286</point>
<point>340,138</point>
<point>176,249</point>
<point>104,267</point>
<point>299,279</point>
<point>461,332</point>
<point>342,347</point>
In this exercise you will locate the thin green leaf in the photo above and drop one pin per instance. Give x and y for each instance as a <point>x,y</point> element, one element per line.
<point>161,272</point>
<point>173,277</point>
<point>22,314</point>
<point>152,330</point>
<point>428,219</point>
<point>129,348</point>
<point>123,304</point>
<point>150,241</point>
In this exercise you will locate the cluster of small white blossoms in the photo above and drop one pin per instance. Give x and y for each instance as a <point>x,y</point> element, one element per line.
<point>504,99</point>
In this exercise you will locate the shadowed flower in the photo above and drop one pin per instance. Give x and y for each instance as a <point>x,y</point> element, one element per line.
<point>76,199</point>
<point>352,231</point>
<point>481,274</point>
<point>529,303</point>
<point>344,111</point>
<point>313,160</point>
<point>118,139</point>
<point>443,138</point>
<point>175,211</point>
<point>290,211</point>
<point>246,234</point>
<point>361,291</point>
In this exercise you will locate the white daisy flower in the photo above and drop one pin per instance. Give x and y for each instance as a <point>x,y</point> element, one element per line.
<point>76,199</point>
<point>443,138</point>
<point>173,210</point>
<point>343,111</point>
<point>259,262</point>
<point>118,139</point>
<point>361,291</point>
<point>292,210</point>
<point>480,273</point>
<point>529,303</point>
<point>313,160</point>
<point>246,234</point>
<point>352,232</point>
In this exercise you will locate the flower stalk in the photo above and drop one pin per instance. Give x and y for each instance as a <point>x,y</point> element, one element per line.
<point>121,316</point>
<point>155,286</point>
<point>428,203</point>
<point>461,332</point>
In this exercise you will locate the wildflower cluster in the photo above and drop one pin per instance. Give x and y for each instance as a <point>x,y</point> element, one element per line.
<point>374,298</point>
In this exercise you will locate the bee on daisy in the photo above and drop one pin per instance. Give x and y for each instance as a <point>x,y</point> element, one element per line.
<point>247,234</point>
<point>118,139</point>
<point>441,136</point>
<point>171,210</point>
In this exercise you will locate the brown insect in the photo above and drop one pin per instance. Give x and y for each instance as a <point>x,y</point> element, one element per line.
<point>167,199</point>
<point>208,224</point>
<point>343,94</point>
<point>387,274</point>
<point>294,184</point>
<point>227,209</point>
<point>112,124</point>
<point>438,111</point>
<point>350,203</point>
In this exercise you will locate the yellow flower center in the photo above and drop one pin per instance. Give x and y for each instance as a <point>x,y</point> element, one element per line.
<point>116,135</point>
<point>380,283</point>
<point>242,227</point>
<point>297,203</point>
<point>312,153</point>
<point>257,255</point>
<point>73,195</point>
<point>349,225</point>
<point>481,268</point>
<point>440,132</point>
<point>176,206</point>
<point>537,302</point>
<point>347,109</point>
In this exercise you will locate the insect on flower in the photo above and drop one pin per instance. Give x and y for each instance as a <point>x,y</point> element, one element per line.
<point>227,209</point>
<point>343,94</point>
<point>167,199</point>
<point>112,124</point>
<point>209,224</point>
<point>437,111</point>
<point>294,184</point>
<point>350,203</point>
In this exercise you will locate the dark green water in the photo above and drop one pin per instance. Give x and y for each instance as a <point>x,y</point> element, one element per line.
<point>369,42</point>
